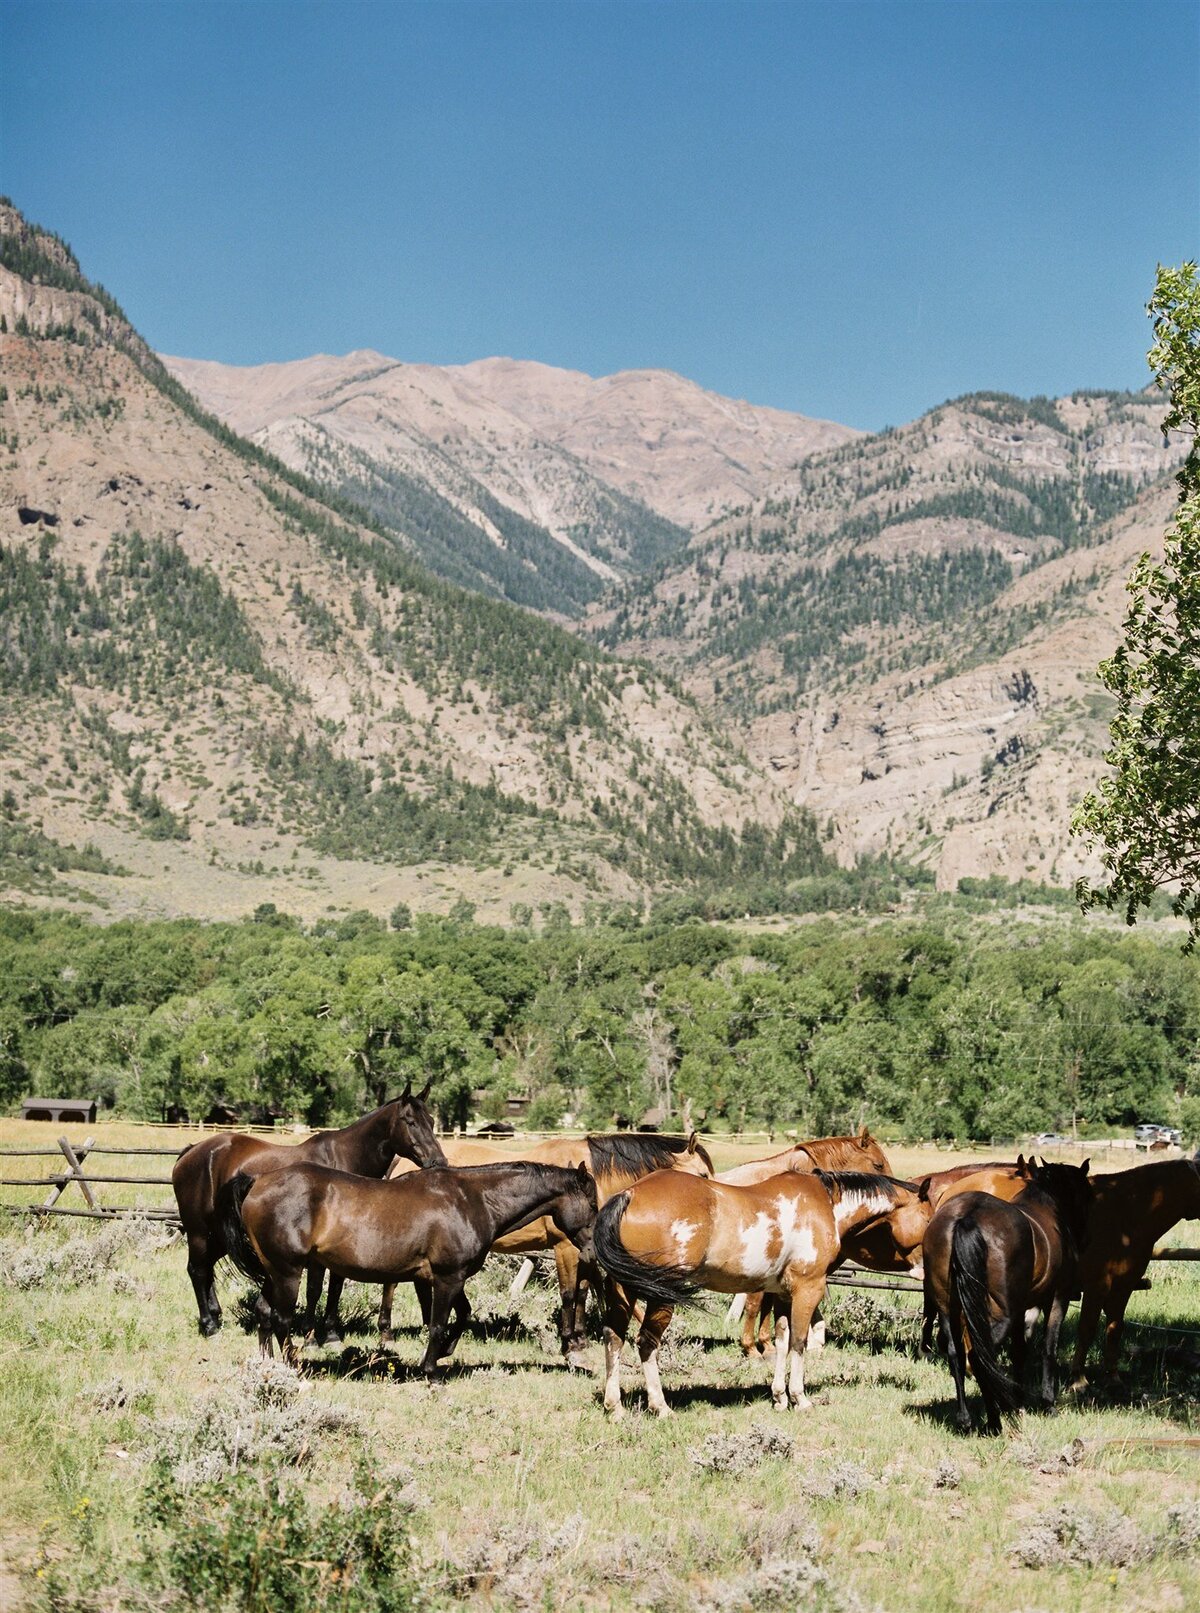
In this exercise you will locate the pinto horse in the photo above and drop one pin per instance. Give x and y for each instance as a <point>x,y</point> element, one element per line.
<point>433,1228</point>
<point>857,1153</point>
<point>669,1236</point>
<point>1130,1211</point>
<point>365,1148</point>
<point>616,1160</point>
<point>990,1266</point>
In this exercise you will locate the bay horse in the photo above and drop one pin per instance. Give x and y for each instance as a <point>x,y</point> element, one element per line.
<point>669,1236</point>
<point>433,1228</point>
<point>990,1266</point>
<point>616,1160</point>
<point>1005,1182</point>
<point>1130,1211</point>
<point>366,1147</point>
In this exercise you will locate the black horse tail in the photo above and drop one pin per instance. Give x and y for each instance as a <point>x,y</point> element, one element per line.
<point>968,1281</point>
<point>670,1285</point>
<point>230,1197</point>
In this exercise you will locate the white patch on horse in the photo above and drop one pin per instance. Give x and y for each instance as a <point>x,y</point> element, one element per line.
<point>682,1231</point>
<point>754,1247</point>
<point>797,1242</point>
<point>849,1203</point>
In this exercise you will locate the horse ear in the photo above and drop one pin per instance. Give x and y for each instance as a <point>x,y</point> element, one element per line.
<point>407,1093</point>
<point>583,1169</point>
<point>1020,1164</point>
<point>863,1133</point>
<point>423,1095</point>
<point>1083,1169</point>
<point>693,1141</point>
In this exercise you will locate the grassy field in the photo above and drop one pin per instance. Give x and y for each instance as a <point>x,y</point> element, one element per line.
<point>506,1486</point>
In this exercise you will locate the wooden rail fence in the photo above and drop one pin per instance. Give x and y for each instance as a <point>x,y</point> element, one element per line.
<point>76,1156</point>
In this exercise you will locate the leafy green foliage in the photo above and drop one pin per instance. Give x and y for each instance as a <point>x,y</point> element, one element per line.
<point>950,1027</point>
<point>1146,812</point>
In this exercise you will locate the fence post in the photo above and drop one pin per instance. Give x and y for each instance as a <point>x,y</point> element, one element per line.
<point>74,1161</point>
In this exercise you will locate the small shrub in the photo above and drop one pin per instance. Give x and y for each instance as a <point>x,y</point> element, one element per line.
<point>738,1453</point>
<point>36,1259</point>
<point>1071,1534</point>
<point>263,1412</point>
<point>255,1543</point>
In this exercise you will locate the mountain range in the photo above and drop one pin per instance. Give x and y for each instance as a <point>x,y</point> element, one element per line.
<point>348,632</point>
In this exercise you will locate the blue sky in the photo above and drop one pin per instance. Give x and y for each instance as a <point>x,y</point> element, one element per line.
<point>855,210</point>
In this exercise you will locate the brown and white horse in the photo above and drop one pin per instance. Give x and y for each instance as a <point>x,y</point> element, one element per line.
<point>855,1153</point>
<point>669,1236</point>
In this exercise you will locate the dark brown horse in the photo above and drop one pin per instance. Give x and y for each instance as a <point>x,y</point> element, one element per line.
<point>990,1266</point>
<point>433,1228</point>
<point>1130,1211</point>
<point>366,1148</point>
<point>616,1160</point>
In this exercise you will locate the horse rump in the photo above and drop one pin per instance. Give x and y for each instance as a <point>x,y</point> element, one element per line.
<point>969,1284</point>
<point>670,1285</point>
<point>228,1209</point>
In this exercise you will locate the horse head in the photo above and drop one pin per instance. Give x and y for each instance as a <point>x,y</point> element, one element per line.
<point>574,1211</point>
<point>1069,1187</point>
<point>871,1155</point>
<point>410,1132</point>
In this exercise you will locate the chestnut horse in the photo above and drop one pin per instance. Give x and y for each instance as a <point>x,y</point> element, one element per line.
<point>669,1236</point>
<point>616,1160</point>
<point>365,1148</point>
<point>990,1266</point>
<point>1130,1211</point>
<point>433,1228</point>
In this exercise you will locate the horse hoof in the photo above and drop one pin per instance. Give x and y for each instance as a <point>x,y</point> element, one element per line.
<point>577,1362</point>
<point>333,1341</point>
<point>386,1340</point>
<point>803,1404</point>
<point>662,1411</point>
<point>616,1413</point>
<point>779,1403</point>
<point>209,1326</point>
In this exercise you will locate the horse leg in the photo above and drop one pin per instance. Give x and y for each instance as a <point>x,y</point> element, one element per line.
<point>445,1295</point>
<point>312,1298</point>
<point>816,1332</point>
<point>1089,1317</point>
<point>1054,1321</point>
<point>805,1299</point>
<point>618,1307</point>
<point>284,1292</point>
<point>264,1315</point>
<point>951,1330</point>
<point>572,1295</point>
<point>1114,1327</point>
<point>333,1321</point>
<point>654,1325</point>
<point>779,1380</point>
<point>462,1315</point>
<point>200,1269</point>
<point>751,1342</point>
<point>928,1322</point>
<point>386,1336</point>
<point>424,1292</point>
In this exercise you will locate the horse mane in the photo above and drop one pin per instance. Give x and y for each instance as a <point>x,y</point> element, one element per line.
<point>637,1153</point>
<point>863,1184</point>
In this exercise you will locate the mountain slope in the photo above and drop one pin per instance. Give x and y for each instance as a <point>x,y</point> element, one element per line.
<point>242,693</point>
<point>905,631</point>
<point>539,484</point>
<point>482,498</point>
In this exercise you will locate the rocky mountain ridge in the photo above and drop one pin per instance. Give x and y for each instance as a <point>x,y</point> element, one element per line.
<point>238,692</point>
<point>489,468</point>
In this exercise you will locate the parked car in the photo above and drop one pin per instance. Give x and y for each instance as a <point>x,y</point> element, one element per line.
<point>1152,1133</point>
<point>1050,1139</point>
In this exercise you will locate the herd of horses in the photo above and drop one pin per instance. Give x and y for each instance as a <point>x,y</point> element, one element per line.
<point>646,1222</point>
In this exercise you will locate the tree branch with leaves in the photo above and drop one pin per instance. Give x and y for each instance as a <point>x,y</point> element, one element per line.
<point>1145,815</point>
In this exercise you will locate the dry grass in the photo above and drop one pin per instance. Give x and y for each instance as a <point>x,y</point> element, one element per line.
<point>526,1496</point>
